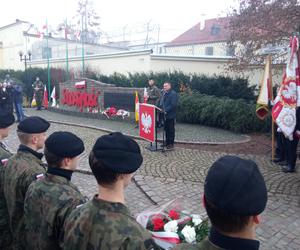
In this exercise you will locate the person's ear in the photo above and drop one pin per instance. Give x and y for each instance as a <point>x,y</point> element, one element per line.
<point>203,201</point>
<point>256,219</point>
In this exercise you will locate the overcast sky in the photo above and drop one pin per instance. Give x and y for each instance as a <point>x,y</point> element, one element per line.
<point>173,17</point>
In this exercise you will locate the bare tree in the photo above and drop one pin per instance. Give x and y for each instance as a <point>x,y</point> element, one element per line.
<point>87,21</point>
<point>257,25</point>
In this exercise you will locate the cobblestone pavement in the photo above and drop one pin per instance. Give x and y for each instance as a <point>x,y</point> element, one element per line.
<point>181,173</point>
<point>184,132</point>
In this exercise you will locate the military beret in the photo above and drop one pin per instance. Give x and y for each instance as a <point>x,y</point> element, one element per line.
<point>6,120</point>
<point>33,125</point>
<point>236,186</point>
<point>119,153</point>
<point>64,144</point>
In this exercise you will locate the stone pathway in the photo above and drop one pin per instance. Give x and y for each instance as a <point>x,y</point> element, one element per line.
<point>184,132</point>
<point>181,174</point>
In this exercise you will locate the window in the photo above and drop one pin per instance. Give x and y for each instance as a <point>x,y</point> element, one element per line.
<point>215,30</point>
<point>230,51</point>
<point>45,52</point>
<point>209,51</point>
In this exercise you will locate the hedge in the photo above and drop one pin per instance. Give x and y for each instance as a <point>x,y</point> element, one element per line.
<point>225,113</point>
<point>214,85</point>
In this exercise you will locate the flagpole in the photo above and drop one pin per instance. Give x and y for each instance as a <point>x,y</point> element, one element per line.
<point>48,61</point>
<point>272,98</point>
<point>82,45</point>
<point>67,50</point>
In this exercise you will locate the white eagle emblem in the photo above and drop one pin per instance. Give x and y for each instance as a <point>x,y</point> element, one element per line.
<point>146,122</point>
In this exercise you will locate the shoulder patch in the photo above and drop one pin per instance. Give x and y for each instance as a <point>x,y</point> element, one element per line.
<point>40,176</point>
<point>4,162</point>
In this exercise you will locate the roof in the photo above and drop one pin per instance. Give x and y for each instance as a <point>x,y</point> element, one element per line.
<point>17,22</point>
<point>215,30</point>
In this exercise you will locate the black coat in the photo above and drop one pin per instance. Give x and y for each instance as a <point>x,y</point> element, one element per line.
<point>6,101</point>
<point>168,103</point>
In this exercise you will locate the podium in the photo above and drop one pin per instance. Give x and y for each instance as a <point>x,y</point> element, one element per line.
<point>147,126</point>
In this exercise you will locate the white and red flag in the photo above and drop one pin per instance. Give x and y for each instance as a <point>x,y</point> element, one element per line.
<point>45,99</point>
<point>42,32</point>
<point>284,111</point>
<point>266,92</point>
<point>53,97</point>
<point>80,85</point>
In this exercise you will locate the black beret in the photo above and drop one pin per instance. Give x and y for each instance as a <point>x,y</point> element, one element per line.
<point>33,125</point>
<point>6,120</point>
<point>64,144</point>
<point>236,186</point>
<point>119,153</point>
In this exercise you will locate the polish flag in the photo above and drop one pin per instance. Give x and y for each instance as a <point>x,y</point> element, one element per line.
<point>45,100</point>
<point>42,33</point>
<point>80,85</point>
<point>78,35</point>
<point>53,97</point>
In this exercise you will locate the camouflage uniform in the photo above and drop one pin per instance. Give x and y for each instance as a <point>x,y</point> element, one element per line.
<point>153,95</point>
<point>39,93</point>
<point>47,203</point>
<point>5,235</point>
<point>21,170</point>
<point>103,225</point>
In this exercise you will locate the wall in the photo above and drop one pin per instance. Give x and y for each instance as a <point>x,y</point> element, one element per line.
<point>219,49</point>
<point>12,43</point>
<point>144,61</point>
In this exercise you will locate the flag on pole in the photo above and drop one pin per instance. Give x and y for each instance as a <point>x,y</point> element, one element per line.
<point>284,111</point>
<point>42,32</point>
<point>145,95</point>
<point>78,35</point>
<point>45,99</point>
<point>137,103</point>
<point>53,97</point>
<point>266,92</point>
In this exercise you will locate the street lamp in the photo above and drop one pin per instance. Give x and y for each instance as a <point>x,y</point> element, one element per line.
<point>26,58</point>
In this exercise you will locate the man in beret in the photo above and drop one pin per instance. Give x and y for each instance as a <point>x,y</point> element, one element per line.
<point>235,195</point>
<point>105,222</point>
<point>6,120</point>
<point>21,170</point>
<point>50,200</point>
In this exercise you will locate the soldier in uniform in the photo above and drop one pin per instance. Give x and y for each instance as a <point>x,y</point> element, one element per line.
<point>6,120</point>
<point>153,92</point>
<point>50,200</point>
<point>21,170</point>
<point>105,222</point>
<point>235,195</point>
<point>38,87</point>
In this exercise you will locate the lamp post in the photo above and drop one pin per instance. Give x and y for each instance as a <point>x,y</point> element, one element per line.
<point>26,58</point>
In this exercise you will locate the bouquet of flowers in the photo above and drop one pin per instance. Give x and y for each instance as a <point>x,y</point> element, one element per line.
<point>170,225</point>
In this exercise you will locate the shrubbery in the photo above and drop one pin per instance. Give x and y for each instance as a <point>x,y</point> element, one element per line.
<point>216,101</point>
<point>226,113</point>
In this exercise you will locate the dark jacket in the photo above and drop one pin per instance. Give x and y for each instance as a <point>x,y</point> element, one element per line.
<point>6,102</point>
<point>17,94</point>
<point>168,103</point>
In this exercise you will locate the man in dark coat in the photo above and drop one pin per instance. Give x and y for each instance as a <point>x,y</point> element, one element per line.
<point>6,100</point>
<point>168,103</point>
<point>18,101</point>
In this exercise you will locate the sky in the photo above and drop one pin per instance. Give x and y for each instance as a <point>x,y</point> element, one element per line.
<point>119,18</point>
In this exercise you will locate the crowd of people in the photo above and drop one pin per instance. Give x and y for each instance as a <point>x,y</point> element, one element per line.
<point>40,208</point>
<point>11,96</point>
